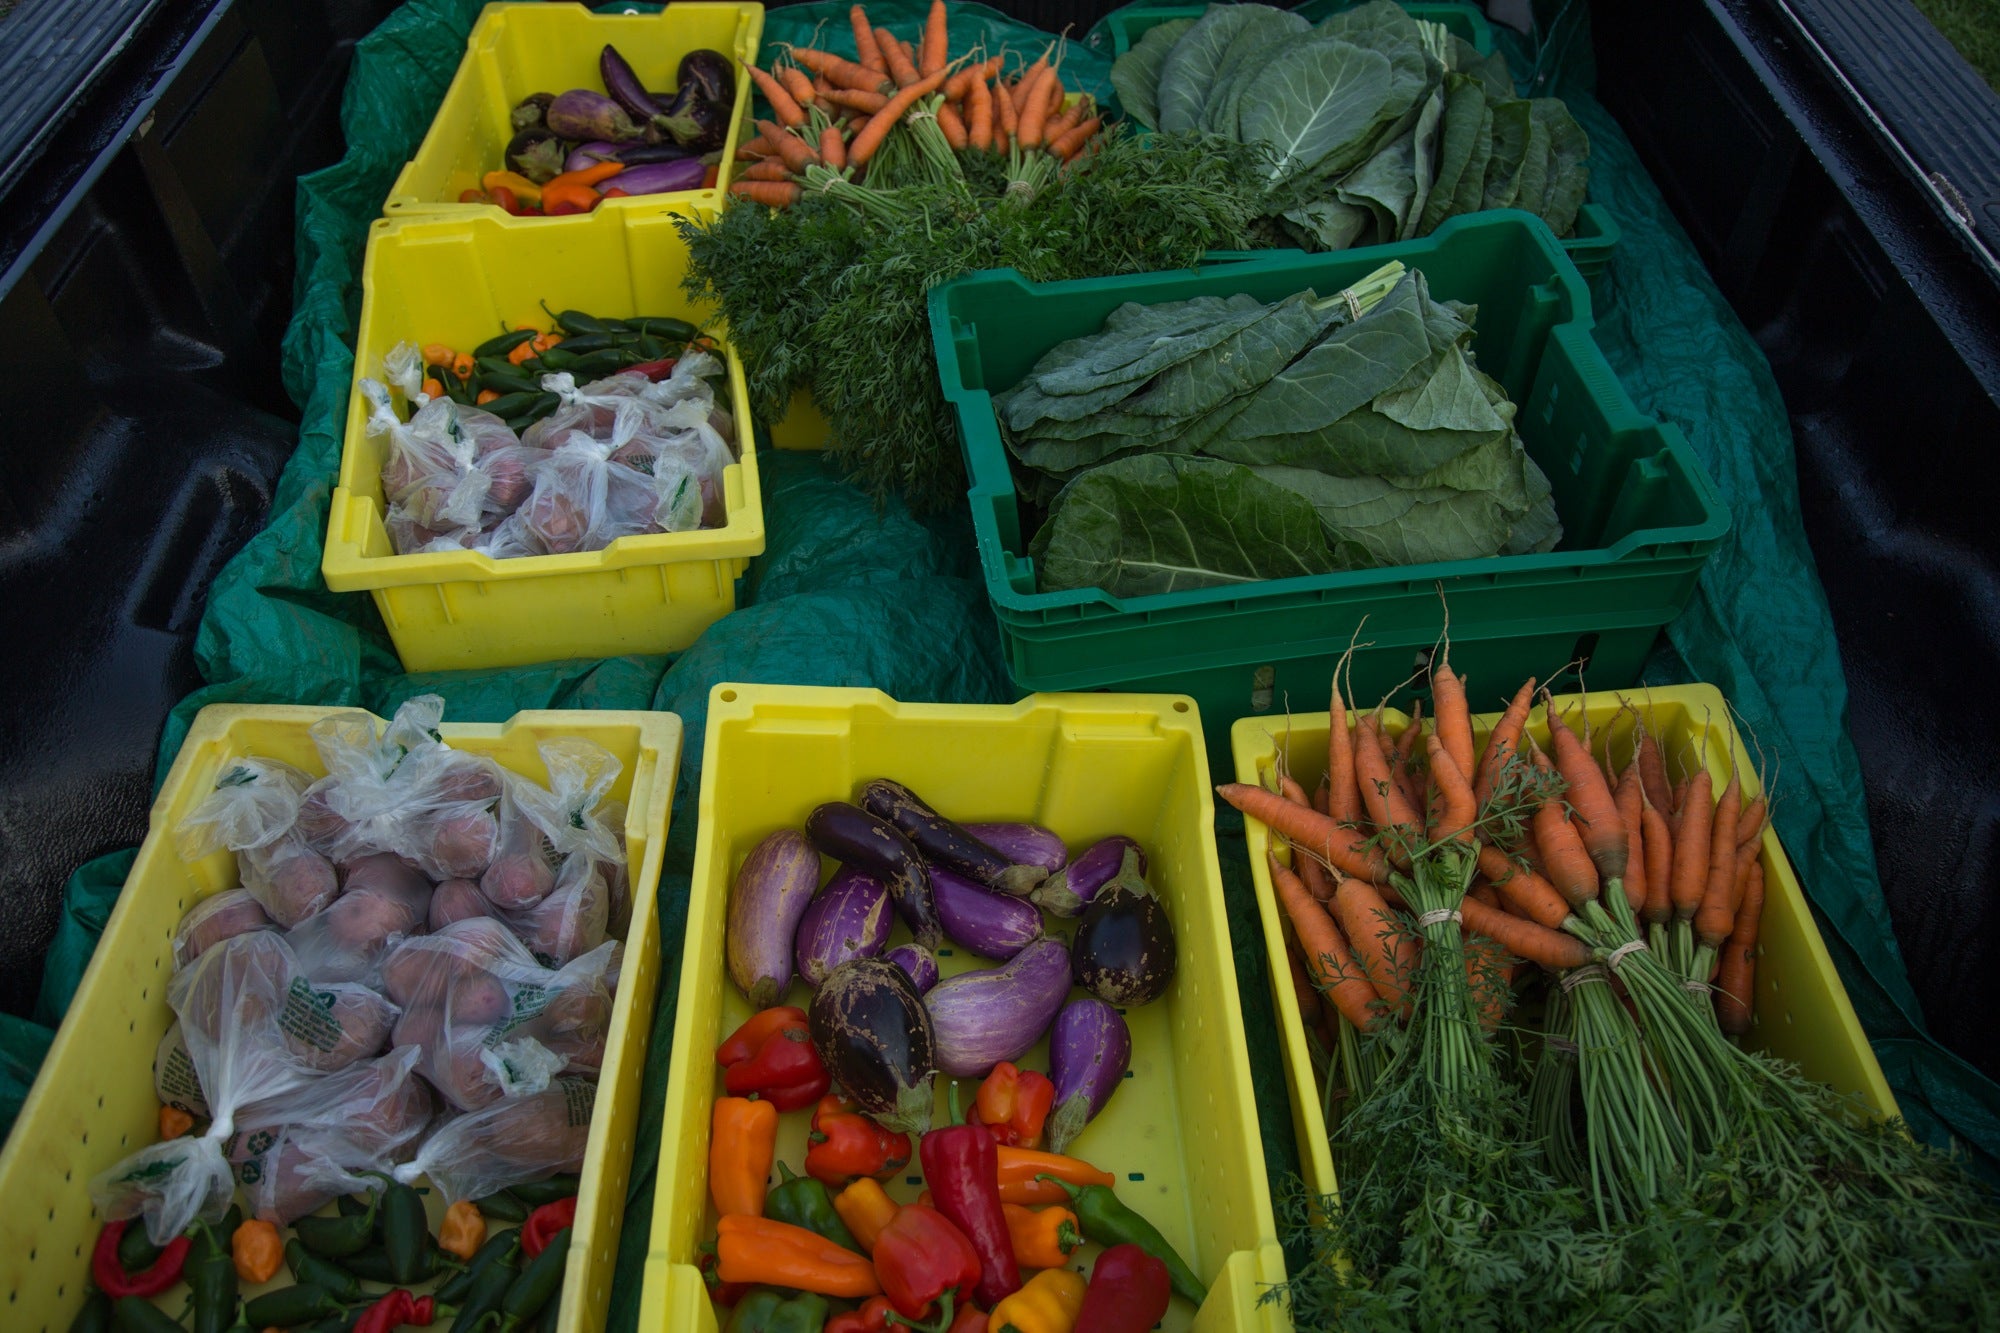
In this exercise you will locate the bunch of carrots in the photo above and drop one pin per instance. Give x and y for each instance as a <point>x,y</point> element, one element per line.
<point>833,115</point>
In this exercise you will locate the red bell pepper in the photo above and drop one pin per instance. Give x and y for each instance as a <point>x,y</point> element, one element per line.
<point>920,1257</point>
<point>1128,1292</point>
<point>1014,1104</point>
<point>545,1224</point>
<point>111,1277</point>
<point>872,1317</point>
<point>962,1165</point>
<point>771,1056</point>
<point>845,1145</point>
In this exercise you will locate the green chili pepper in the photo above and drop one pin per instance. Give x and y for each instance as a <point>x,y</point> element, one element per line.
<point>556,359</point>
<point>594,365</point>
<point>370,1265</point>
<point>136,1250</point>
<point>670,327</point>
<point>288,1306</point>
<point>350,1205</point>
<point>500,346</point>
<point>575,321</point>
<point>503,1207</point>
<point>498,1249</point>
<point>769,1310</point>
<point>538,1283</point>
<point>312,1270</point>
<point>508,381</point>
<point>590,342</point>
<point>512,404</point>
<point>406,1232</point>
<point>483,1297</point>
<point>339,1323</point>
<point>804,1202</point>
<point>338,1237</point>
<point>135,1314</point>
<point>650,348</point>
<point>1104,1218</point>
<point>95,1316</point>
<point>538,1192</point>
<point>211,1278</point>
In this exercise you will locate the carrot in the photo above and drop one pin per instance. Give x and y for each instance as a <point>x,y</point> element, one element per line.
<point>797,84</point>
<point>1451,716</point>
<point>934,53</point>
<point>1386,951</point>
<point>796,152</point>
<point>953,126</point>
<point>1597,817</point>
<point>783,105</point>
<point>1523,890</point>
<point>1750,824</point>
<point>901,68</point>
<point>1486,978</point>
<point>1631,798</point>
<point>772,194</point>
<point>1735,984</point>
<point>756,148</point>
<point>865,46</point>
<point>769,169</point>
<point>1484,892</point>
<point>1342,796</point>
<point>1329,962</point>
<point>1659,840</point>
<point>1072,142</point>
<point>839,72</point>
<point>979,116</point>
<point>1455,808</point>
<point>959,86</point>
<point>1380,796</point>
<point>1680,805</point>
<point>1317,881</point>
<point>1500,742</point>
<point>1033,109</point>
<point>1319,795</point>
<point>1061,121</point>
<point>1289,788</point>
<point>1523,938</point>
<point>1653,773</point>
<point>1401,766</point>
<point>1003,103</point>
<point>1691,848</point>
<point>863,145</point>
<point>1565,860</point>
<point>832,147</point>
<point>1302,826</point>
<point>1715,917</point>
<point>1302,988</point>
<point>854,99</point>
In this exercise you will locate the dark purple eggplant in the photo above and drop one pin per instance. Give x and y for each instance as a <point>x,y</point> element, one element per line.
<point>583,115</point>
<point>849,918</point>
<point>695,122</point>
<point>709,72</point>
<point>1124,946</point>
<point>633,155</point>
<point>531,113</point>
<point>945,843</point>
<point>853,837</point>
<point>623,85</point>
<point>918,963</point>
<point>661,177</point>
<point>997,1013</point>
<point>537,154</point>
<point>1023,844</point>
<point>773,890</point>
<point>874,1035</point>
<point>992,925</point>
<point>1090,1048</point>
<point>1069,891</point>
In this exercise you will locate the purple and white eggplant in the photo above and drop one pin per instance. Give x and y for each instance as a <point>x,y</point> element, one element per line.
<point>873,1033</point>
<point>1023,844</point>
<point>772,891</point>
<point>918,963</point>
<point>1069,890</point>
<point>583,115</point>
<point>1090,1048</point>
<point>853,837</point>
<point>992,925</point>
<point>945,843</point>
<point>684,173</point>
<point>848,918</point>
<point>1124,946</point>
<point>997,1013</point>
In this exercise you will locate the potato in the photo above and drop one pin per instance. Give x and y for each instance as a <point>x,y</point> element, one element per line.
<point>331,1027</point>
<point>216,918</point>
<point>457,900</point>
<point>568,923</point>
<point>290,879</point>
<point>520,880</point>
<point>460,846</point>
<point>478,1000</point>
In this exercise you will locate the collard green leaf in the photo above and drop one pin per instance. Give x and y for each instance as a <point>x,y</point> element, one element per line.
<point>1471,191</point>
<point>1317,105</point>
<point>1452,397</point>
<point>1345,371</point>
<point>1424,157</point>
<point>1248,52</point>
<point>1135,76</point>
<point>1532,185</point>
<point>1188,73</point>
<point>1568,165</point>
<point>1373,23</point>
<point>1464,122</point>
<point>1396,526</point>
<point>1328,224</point>
<point>1510,145</point>
<point>1161,523</point>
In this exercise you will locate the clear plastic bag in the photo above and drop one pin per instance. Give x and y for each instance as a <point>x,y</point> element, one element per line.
<point>384,900</point>
<point>510,1143</point>
<point>571,849</point>
<point>297,1153</point>
<point>459,900</point>
<point>253,812</point>
<point>403,367</point>
<point>586,412</point>
<point>330,1026</point>
<point>175,1082</point>
<point>427,467</point>
<point>229,1002</point>
<point>216,918</point>
<point>582,501</point>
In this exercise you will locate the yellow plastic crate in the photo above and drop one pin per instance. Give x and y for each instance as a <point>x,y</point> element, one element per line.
<point>458,281</point>
<point>1801,1011</point>
<point>1181,1136</point>
<point>93,1102</point>
<point>804,427</point>
<point>518,50</point>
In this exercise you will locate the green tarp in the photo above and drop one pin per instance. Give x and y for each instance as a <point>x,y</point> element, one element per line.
<point>848,594</point>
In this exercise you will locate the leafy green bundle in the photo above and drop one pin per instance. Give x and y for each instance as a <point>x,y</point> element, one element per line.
<point>1395,123</point>
<point>1222,440</point>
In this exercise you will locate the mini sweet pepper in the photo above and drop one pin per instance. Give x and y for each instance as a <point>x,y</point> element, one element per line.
<point>1048,1304</point>
<point>845,1145</point>
<point>866,1208</point>
<point>1014,1104</point>
<point>772,1057</point>
<point>777,1254</point>
<point>1042,1238</point>
<point>742,1142</point>
<point>1128,1293</point>
<point>962,1167</point>
<point>920,1256</point>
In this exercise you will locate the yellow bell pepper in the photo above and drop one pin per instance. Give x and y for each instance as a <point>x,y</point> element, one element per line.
<point>1049,1303</point>
<point>525,190</point>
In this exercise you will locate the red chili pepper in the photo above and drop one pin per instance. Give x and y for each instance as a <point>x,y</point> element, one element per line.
<point>543,1224</point>
<point>111,1277</point>
<point>1128,1292</point>
<point>845,1145</point>
<point>423,1311</point>
<point>781,1066</point>
<point>962,1165</point>
<point>392,1311</point>
<point>920,1256</point>
<point>652,370</point>
<point>1014,1104</point>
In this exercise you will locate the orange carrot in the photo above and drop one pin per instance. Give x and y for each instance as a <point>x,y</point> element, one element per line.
<point>1455,807</point>
<point>796,152</point>
<point>1486,977</point>
<point>979,116</point>
<point>934,52</point>
<point>1319,795</point>
<point>1061,121</point>
<point>1289,788</point>
<point>1691,847</point>
<point>1342,797</point>
<point>783,105</point>
<point>953,126</point>
<point>1302,826</point>
<point>1680,805</point>
<point>1033,109</point>
<point>1451,715</point>
<point>1073,140</point>
<point>1401,767</point>
<point>1506,734</point>
<point>841,73</point>
<point>1565,860</point>
<point>1659,841</point>
<point>1380,796</point>
<point>1597,817</point>
<point>1750,824</point>
<point>959,86</point>
<point>1003,105</point>
<point>1523,938</point>
<point>1386,951</point>
<point>864,41</point>
<point>1523,890</point>
<point>756,148</point>
<point>832,147</point>
<point>1631,798</point>
<point>864,144</point>
<point>854,99</point>
<point>1715,916</point>
<point>1484,892</point>
<point>1735,984</point>
<point>772,194</point>
<point>901,67</point>
<point>1302,988</point>
<point>797,84</point>
<point>1653,773</point>
<point>769,169</point>
<point>1329,962</point>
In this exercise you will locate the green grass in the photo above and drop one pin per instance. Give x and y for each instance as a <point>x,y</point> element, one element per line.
<point>1973,26</point>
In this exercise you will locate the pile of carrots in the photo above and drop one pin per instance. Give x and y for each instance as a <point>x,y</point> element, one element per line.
<point>833,113</point>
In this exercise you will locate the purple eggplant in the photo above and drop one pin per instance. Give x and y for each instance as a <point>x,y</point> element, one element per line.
<point>992,925</point>
<point>661,177</point>
<point>997,1013</point>
<point>583,115</point>
<point>710,73</point>
<point>623,85</point>
<point>849,918</point>
<point>535,153</point>
<point>1023,844</point>
<point>694,121</point>
<point>1090,1048</point>
<point>918,963</point>
<point>531,113</point>
<point>1124,946</point>
<point>945,843</point>
<point>873,1033</point>
<point>853,837</point>
<point>773,890</point>
<point>1069,891</point>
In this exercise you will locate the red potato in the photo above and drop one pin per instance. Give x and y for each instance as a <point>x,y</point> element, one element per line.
<point>457,900</point>
<point>290,879</point>
<point>385,900</point>
<point>461,845</point>
<point>331,1027</point>
<point>216,918</point>
<point>569,922</point>
<point>478,1000</point>
<point>322,827</point>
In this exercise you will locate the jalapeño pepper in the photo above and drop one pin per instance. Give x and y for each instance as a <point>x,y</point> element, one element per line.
<point>670,327</point>
<point>537,1285</point>
<point>406,1233</point>
<point>804,1202</point>
<point>95,1316</point>
<point>504,1206</point>
<point>503,344</point>
<point>576,321</point>
<point>499,1248</point>
<point>290,1306</point>
<point>136,1250</point>
<point>135,1314</point>
<point>538,1192</point>
<point>312,1270</point>
<point>1106,1220</point>
<point>212,1280</point>
<point>338,1237</point>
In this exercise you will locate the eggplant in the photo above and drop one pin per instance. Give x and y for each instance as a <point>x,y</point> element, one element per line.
<point>853,837</point>
<point>660,177</point>
<point>584,115</point>
<point>1023,844</point>
<point>1090,1048</point>
<point>873,1033</point>
<point>623,85</point>
<point>773,890</point>
<point>1124,947</point>
<point>849,918</point>
<point>711,73</point>
<point>945,843</point>
<point>1069,891</point>
<point>990,924</point>
<point>531,113</point>
<point>694,122</point>
<point>998,1013</point>
<point>918,963</point>
<point>537,154</point>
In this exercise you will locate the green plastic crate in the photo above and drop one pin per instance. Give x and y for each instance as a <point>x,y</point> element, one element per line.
<point>1589,246</point>
<point>1638,512</point>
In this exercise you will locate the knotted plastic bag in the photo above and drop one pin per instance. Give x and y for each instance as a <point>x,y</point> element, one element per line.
<point>384,900</point>
<point>253,811</point>
<point>555,891</point>
<point>427,470</point>
<point>510,1143</point>
<point>174,1081</point>
<point>216,918</point>
<point>296,1153</point>
<point>581,501</point>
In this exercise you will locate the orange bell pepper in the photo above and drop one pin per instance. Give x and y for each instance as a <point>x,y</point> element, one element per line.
<point>1014,1103</point>
<point>1020,1166</point>
<point>866,1209</point>
<point>743,1142</point>
<point>778,1254</point>
<point>1041,1239</point>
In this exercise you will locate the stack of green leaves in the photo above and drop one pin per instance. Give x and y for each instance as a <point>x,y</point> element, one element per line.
<point>1222,440</point>
<point>1396,123</point>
